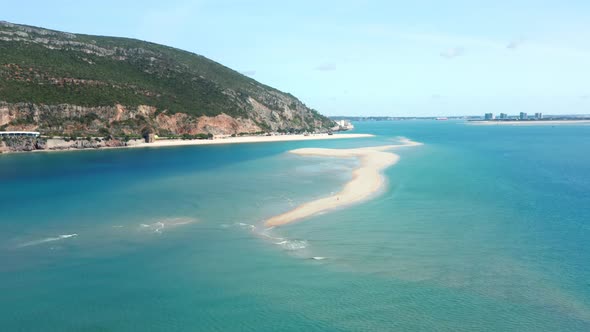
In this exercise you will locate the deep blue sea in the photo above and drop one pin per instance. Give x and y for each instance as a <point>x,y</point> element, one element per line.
<point>484,228</point>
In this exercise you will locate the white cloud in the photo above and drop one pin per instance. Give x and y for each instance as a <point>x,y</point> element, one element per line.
<point>487,45</point>
<point>439,39</point>
<point>452,52</point>
<point>514,44</point>
<point>326,67</point>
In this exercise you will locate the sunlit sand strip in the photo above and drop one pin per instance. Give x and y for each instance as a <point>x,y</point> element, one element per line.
<point>249,139</point>
<point>366,179</point>
<point>227,140</point>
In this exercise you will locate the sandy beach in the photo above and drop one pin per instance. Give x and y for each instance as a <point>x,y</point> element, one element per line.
<point>366,179</point>
<point>530,123</point>
<point>59,145</point>
<point>247,139</point>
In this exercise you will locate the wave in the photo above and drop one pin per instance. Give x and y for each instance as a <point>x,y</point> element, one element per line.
<point>272,237</point>
<point>293,245</point>
<point>244,225</point>
<point>284,243</point>
<point>45,240</point>
<point>159,226</point>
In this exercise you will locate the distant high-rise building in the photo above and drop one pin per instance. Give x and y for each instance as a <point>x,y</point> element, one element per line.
<point>503,116</point>
<point>523,116</point>
<point>489,116</point>
<point>538,116</point>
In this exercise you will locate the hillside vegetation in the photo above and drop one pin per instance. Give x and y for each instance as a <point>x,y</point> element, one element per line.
<point>56,81</point>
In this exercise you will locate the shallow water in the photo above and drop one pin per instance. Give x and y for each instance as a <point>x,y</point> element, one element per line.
<point>481,229</point>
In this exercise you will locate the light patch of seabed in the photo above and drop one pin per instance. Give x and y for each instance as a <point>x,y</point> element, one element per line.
<point>512,282</point>
<point>327,166</point>
<point>505,279</point>
<point>543,295</point>
<point>283,197</point>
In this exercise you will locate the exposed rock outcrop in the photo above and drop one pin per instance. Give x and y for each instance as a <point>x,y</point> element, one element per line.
<point>3,147</point>
<point>25,144</point>
<point>14,144</point>
<point>67,119</point>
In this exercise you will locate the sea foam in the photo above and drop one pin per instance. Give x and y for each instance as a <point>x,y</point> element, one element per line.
<point>292,245</point>
<point>284,243</point>
<point>159,226</point>
<point>45,240</point>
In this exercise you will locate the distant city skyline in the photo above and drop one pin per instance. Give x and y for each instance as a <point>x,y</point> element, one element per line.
<point>367,58</point>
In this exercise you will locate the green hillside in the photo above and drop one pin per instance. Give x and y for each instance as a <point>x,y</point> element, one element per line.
<point>48,67</point>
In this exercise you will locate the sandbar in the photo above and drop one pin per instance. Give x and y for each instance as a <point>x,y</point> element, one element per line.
<point>366,179</point>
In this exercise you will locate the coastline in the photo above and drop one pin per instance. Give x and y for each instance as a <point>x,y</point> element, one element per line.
<point>530,123</point>
<point>366,180</point>
<point>249,139</point>
<point>228,140</point>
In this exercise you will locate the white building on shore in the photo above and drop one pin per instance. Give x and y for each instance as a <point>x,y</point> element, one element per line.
<point>19,133</point>
<point>343,125</point>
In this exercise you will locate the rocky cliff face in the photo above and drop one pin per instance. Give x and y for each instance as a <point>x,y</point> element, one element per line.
<point>61,83</point>
<point>117,120</point>
<point>26,144</point>
<point>15,144</point>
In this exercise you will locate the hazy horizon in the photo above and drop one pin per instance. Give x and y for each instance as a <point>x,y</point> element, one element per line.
<point>450,115</point>
<point>364,58</point>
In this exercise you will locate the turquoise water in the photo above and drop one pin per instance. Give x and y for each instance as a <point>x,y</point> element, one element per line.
<point>484,228</point>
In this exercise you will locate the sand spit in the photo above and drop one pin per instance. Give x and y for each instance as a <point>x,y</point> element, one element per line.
<point>366,179</point>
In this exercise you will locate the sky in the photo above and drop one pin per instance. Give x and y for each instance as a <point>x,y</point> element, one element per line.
<point>362,58</point>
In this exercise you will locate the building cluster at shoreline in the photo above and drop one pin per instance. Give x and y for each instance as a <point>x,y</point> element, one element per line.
<point>523,116</point>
